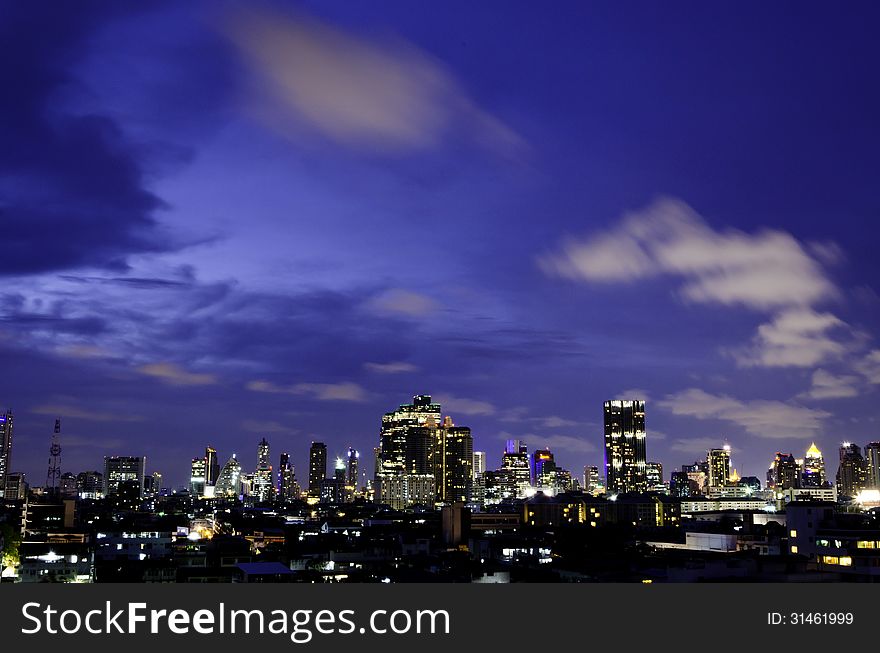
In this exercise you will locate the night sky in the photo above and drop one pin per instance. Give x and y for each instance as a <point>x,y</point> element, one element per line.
<point>223,221</point>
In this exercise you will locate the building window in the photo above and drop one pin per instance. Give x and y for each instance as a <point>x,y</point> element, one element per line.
<point>794,548</point>
<point>792,533</point>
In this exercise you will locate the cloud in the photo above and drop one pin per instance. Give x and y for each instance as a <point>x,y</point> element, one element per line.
<point>344,391</point>
<point>452,404</point>
<point>695,445</point>
<point>73,187</point>
<point>828,386</point>
<point>265,426</point>
<point>78,412</point>
<point>763,418</point>
<point>174,375</point>
<point>568,443</point>
<point>765,271</point>
<point>634,394</point>
<point>869,366</point>
<point>394,367</point>
<point>382,95</point>
<point>397,301</point>
<point>793,338</point>
<point>554,422</point>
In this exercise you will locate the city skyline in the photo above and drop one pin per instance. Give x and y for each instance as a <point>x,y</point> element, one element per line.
<point>528,214</point>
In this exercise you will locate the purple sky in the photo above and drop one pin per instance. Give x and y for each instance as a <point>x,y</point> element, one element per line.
<point>223,221</point>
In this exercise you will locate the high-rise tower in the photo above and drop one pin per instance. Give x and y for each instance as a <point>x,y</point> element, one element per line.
<point>625,456</point>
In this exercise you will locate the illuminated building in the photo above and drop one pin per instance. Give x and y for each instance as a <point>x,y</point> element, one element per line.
<point>699,481</point>
<point>118,469</point>
<point>592,481</point>
<point>288,488</point>
<point>654,477</point>
<point>479,463</point>
<point>90,485</point>
<point>852,474</point>
<point>317,467</point>
<point>15,488</point>
<point>718,462</point>
<point>333,489</point>
<point>625,458</point>
<point>453,460</point>
<point>813,474</point>
<point>263,485</point>
<point>67,485</point>
<point>872,460</point>
<point>197,477</point>
<point>405,439</point>
<point>6,425</point>
<point>351,473</point>
<point>784,472</point>
<point>229,480</point>
<point>515,465</point>
<point>542,463</point>
<point>682,486</point>
<point>212,466</point>
<point>401,491</point>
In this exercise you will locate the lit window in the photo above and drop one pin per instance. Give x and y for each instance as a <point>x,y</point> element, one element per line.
<point>845,561</point>
<point>792,533</point>
<point>794,548</point>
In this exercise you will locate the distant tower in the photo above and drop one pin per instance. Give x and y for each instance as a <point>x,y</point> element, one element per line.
<point>54,472</point>
<point>718,461</point>
<point>212,466</point>
<point>351,475</point>
<point>317,467</point>
<point>5,448</point>
<point>625,460</point>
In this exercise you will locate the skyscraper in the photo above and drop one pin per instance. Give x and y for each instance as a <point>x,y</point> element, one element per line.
<point>515,469</point>
<point>404,447</point>
<point>479,463</point>
<point>852,474</point>
<point>229,480</point>
<point>542,463</point>
<point>592,482</point>
<point>872,460</point>
<point>814,468</point>
<point>784,472</point>
<point>197,479</point>
<point>212,466</point>
<point>351,474</point>
<point>121,469</point>
<point>625,457</point>
<point>6,424</point>
<point>654,476</point>
<point>453,459</point>
<point>718,461</point>
<point>317,468</point>
<point>264,486</point>
<point>288,488</point>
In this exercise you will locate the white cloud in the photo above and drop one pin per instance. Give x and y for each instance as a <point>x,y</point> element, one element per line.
<point>869,366</point>
<point>175,375</point>
<point>695,445</point>
<point>79,412</point>
<point>554,422</point>
<point>344,391</point>
<point>766,270</point>
<point>452,404</point>
<point>382,95</point>
<point>828,386</point>
<point>794,338</point>
<point>393,367</point>
<point>402,302</point>
<point>265,426</point>
<point>633,393</point>
<point>763,418</point>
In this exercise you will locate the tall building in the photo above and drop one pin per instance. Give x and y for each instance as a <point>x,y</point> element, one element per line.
<point>654,476</point>
<point>288,488</point>
<point>814,468</point>
<point>515,470</point>
<point>542,464</point>
<point>718,461</point>
<point>872,460</point>
<point>592,482</point>
<point>625,457</point>
<point>317,468</point>
<point>852,474</point>
<point>453,462</point>
<point>479,463</point>
<point>122,469</point>
<point>351,473</point>
<point>229,480</point>
<point>6,424</point>
<point>15,488</point>
<point>784,472</point>
<point>212,466</point>
<point>263,486</point>
<point>405,438</point>
<point>90,485</point>
<point>198,477</point>
<point>478,492</point>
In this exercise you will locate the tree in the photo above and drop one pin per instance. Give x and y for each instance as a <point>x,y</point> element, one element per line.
<point>10,539</point>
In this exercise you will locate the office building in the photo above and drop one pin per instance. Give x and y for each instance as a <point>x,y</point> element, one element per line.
<point>15,488</point>
<point>813,474</point>
<point>852,473</point>
<point>406,436</point>
<point>6,426</point>
<point>872,461</point>
<point>654,476</point>
<point>288,488</point>
<point>453,460</point>
<point>718,462</point>
<point>212,466</point>
<point>263,485</point>
<point>625,457</point>
<point>229,480</point>
<point>784,472</point>
<point>120,469</point>
<point>515,468</point>
<point>317,468</point>
<point>198,476</point>
<point>592,480</point>
<point>352,480</point>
